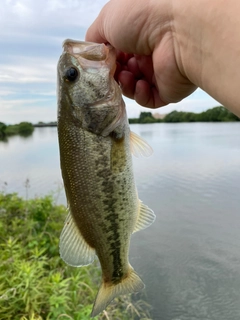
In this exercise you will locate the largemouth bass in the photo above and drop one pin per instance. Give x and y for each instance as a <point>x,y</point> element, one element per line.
<point>95,153</point>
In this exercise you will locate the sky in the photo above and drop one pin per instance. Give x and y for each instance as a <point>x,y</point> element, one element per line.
<point>31,36</point>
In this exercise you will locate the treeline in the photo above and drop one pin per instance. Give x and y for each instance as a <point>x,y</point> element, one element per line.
<point>46,124</point>
<point>23,128</point>
<point>216,114</point>
<point>145,117</point>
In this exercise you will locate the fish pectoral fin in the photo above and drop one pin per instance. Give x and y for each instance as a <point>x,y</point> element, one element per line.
<point>74,250</point>
<point>139,147</point>
<point>109,291</point>
<point>145,217</point>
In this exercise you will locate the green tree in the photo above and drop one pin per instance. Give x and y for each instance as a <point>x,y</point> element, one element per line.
<point>217,114</point>
<point>174,116</point>
<point>133,120</point>
<point>189,117</point>
<point>25,128</point>
<point>2,130</point>
<point>148,120</point>
<point>145,115</point>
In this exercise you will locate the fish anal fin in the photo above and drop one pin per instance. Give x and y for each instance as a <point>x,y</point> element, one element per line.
<point>145,217</point>
<point>139,147</point>
<point>74,250</point>
<point>108,291</point>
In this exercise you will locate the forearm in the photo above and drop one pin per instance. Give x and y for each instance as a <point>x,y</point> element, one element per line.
<point>207,45</point>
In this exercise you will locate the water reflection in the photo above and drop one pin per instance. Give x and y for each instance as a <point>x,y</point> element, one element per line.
<point>3,139</point>
<point>191,259</point>
<point>35,158</point>
<point>24,135</point>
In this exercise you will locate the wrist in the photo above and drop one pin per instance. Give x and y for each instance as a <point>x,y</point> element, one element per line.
<point>207,45</point>
<point>188,32</point>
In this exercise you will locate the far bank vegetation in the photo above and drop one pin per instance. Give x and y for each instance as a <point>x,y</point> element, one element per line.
<point>23,129</point>
<point>217,114</point>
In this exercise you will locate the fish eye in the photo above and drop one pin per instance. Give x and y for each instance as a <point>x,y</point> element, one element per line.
<point>71,74</point>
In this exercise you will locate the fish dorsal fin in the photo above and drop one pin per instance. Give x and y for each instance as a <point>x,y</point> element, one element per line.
<point>139,147</point>
<point>74,250</point>
<point>145,217</point>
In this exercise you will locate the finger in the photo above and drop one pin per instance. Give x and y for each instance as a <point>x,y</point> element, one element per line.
<point>122,26</point>
<point>123,57</point>
<point>147,96</point>
<point>107,28</point>
<point>95,33</point>
<point>127,82</point>
<point>145,66</point>
<point>133,67</point>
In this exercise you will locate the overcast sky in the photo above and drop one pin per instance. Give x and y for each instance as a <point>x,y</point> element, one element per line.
<point>31,36</point>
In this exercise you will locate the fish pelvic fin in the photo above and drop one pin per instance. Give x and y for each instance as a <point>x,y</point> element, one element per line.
<point>108,291</point>
<point>145,217</point>
<point>74,250</point>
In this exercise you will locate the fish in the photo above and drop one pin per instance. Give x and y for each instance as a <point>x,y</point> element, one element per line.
<point>96,147</point>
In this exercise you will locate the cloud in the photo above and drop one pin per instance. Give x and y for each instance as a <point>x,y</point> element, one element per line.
<point>12,104</point>
<point>22,10</point>
<point>32,15</point>
<point>31,36</point>
<point>28,74</point>
<point>32,110</point>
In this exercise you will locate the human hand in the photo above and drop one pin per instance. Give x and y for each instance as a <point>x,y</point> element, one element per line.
<point>149,63</point>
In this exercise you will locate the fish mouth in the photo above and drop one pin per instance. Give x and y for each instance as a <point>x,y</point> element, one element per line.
<point>91,55</point>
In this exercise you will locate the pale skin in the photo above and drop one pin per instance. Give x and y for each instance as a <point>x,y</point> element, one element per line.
<point>168,48</point>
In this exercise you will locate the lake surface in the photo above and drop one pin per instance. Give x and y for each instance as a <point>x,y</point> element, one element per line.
<point>189,258</point>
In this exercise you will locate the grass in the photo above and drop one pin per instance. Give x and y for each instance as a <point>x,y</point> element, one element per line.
<point>35,284</point>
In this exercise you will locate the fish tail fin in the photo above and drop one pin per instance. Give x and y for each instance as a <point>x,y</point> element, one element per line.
<point>108,291</point>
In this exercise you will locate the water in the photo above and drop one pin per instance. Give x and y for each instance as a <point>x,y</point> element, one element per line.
<point>189,258</point>
<point>35,158</point>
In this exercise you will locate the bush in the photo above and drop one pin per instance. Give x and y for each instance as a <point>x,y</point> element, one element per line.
<point>25,128</point>
<point>12,129</point>
<point>145,117</point>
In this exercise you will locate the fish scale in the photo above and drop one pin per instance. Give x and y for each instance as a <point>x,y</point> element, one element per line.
<point>96,197</point>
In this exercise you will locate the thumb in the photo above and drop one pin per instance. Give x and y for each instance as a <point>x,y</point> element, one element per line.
<point>96,32</point>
